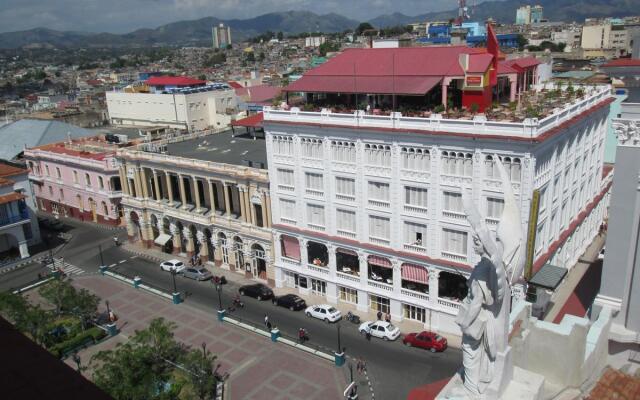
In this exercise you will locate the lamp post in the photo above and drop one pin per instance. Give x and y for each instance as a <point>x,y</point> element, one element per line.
<point>100,252</point>
<point>219,290</point>
<point>339,345</point>
<point>106,303</point>
<point>339,354</point>
<point>176,295</point>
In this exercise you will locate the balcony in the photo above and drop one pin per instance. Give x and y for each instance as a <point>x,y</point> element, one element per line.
<point>379,203</point>
<point>382,286</point>
<point>286,188</point>
<point>314,192</point>
<point>319,270</point>
<point>316,227</point>
<point>451,306</point>
<point>380,241</point>
<point>348,277</point>
<point>23,216</point>
<point>416,210</point>
<point>290,262</point>
<point>454,257</point>
<point>412,295</point>
<point>454,215</point>
<point>416,248</point>
<point>347,234</point>
<point>345,197</point>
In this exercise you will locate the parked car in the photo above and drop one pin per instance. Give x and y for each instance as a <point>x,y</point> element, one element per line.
<point>257,290</point>
<point>291,301</point>
<point>601,254</point>
<point>176,265</point>
<point>197,273</point>
<point>324,312</point>
<point>380,329</point>
<point>425,340</point>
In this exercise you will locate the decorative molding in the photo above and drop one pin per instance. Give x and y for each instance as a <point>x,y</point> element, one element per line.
<point>627,131</point>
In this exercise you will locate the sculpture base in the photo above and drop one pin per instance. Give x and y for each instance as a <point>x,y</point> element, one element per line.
<point>525,385</point>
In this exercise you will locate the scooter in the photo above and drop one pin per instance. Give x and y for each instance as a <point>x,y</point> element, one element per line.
<point>353,318</point>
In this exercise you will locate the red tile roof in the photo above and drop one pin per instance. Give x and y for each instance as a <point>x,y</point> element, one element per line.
<point>479,63</point>
<point>412,85</point>
<point>10,170</point>
<point>235,85</point>
<point>520,64</point>
<point>623,62</point>
<point>259,93</point>
<point>253,121</point>
<point>8,198</point>
<point>615,385</point>
<point>173,81</point>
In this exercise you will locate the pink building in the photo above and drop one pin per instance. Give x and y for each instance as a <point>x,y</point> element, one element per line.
<point>77,179</point>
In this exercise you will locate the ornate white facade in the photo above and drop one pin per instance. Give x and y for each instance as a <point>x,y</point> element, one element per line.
<point>387,190</point>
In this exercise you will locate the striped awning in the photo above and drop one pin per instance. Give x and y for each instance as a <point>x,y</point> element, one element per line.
<point>346,251</point>
<point>379,261</point>
<point>415,273</point>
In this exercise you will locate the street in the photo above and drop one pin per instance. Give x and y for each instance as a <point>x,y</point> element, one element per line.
<point>393,368</point>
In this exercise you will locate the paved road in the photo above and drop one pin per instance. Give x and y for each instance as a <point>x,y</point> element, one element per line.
<point>394,369</point>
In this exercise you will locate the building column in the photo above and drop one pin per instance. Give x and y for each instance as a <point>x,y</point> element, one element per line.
<point>304,253</point>
<point>191,247</point>
<point>267,222</point>
<point>196,192</point>
<point>144,233</point>
<point>183,195</point>
<point>204,247</point>
<point>513,87</point>
<point>243,206</point>
<point>156,185</point>
<point>277,246</point>
<point>169,188</point>
<point>123,181</point>
<point>263,210</point>
<point>252,210</point>
<point>434,276</point>
<point>227,204</point>
<point>177,239</point>
<point>395,306</point>
<point>144,183</point>
<point>364,273</point>
<point>24,249</point>
<point>217,251</point>
<point>211,196</point>
<point>136,183</point>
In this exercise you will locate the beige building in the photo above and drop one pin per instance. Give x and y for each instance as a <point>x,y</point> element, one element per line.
<point>204,195</point>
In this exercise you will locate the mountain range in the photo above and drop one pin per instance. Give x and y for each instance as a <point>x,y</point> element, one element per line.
<point>198,32</point>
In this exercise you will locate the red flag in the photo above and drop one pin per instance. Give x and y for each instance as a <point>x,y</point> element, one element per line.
<point>493,48</point>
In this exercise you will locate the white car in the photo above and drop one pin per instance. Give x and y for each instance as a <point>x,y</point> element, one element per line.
<point>324,312</point>
<point>380,329</point>
<point>177,265</point>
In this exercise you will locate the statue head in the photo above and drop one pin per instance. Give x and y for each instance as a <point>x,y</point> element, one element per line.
<point>478,247</point>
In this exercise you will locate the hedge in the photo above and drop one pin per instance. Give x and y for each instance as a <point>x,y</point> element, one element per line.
<point>91,335</point>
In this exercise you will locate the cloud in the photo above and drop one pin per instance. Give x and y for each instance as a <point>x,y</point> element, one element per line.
<point>126,15</point>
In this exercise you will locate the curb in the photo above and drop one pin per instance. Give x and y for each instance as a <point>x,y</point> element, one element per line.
<point>143,255</point>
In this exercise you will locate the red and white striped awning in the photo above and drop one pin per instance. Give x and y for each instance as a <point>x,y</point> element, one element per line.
<point>415,273</point>
<point>346,251</point>
<point>379,261</point>
<point>290,247</point>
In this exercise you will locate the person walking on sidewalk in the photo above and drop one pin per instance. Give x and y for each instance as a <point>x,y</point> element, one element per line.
<point>266,321</point>
<point>379,315</point>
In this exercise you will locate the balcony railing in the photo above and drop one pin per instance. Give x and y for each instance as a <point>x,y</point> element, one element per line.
<point>320,270</point>
<point>314,192</point>
<point>380,241</point>
<point>453,215</point>
<point>415,295</point>
<point>348,277</point>
<point>379,285</point>
<point>24,215</point>
<point>415,209</point>
<point>448,303</point>
<point>454,256</point>
<point>379,203</point>
<point>346,234</point>
<point>415,248</point>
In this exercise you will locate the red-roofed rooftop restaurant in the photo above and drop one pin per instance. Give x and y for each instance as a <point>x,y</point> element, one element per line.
<point>414,79</point>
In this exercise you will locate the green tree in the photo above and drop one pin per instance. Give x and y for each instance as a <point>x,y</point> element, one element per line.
<point>327,47</point>
<point>200,372</point>
<point>12,306</point>
<point>60,293</point>
<point>522,41</point>
<point>84,305</point>
<point>35,322</point>
<point>364,26</point>
<point>280,35</point>
<point>140,368</point>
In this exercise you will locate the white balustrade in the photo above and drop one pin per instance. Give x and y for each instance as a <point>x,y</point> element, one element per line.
<point>415,295</point>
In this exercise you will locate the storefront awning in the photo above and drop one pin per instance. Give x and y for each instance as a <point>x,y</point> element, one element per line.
<point>415,273</point>
<point>162,239</point>
<point>379,261</point>
<point>290,247</point>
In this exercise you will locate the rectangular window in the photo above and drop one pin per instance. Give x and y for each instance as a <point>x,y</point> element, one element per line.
<point>416,159</point>
<point>315,216</point>
<point>348,295</point>
<point>415,234</point>
<point>61,194</point>
<point>413,313</point>
<point>378,155</point>
<point>46,168</point>
<point>494,207</point>
<point>346,221</point>
<point>543,199</point>
<point>556,188</point>
<point>345,188</point>
<point>378,303</point>
<point>416,197</point>
<point>314,184</point>
<point>311,148</point>
<point>101,183</point>
<point>75,176</point>
<point>288,211</point>
<point>379,194</point>
<point>540,238</point>
<point>318,287</point>
<point>58,173</point>
<point>283,145</point>
<point>379,229</point>
<point>452,202</point>
<point>286,179</point>
<point>454,242</point>
<point>343,151</point>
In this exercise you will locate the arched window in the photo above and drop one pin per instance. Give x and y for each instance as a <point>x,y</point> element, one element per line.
<point>87,179</point>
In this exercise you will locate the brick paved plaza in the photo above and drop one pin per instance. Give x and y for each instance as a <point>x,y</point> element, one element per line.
<point>259,368</point>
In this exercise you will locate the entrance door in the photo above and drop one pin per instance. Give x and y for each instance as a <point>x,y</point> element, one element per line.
<point>94,214</point>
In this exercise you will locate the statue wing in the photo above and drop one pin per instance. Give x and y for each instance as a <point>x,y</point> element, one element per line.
<point>478,223</point>
<point>509,231</point>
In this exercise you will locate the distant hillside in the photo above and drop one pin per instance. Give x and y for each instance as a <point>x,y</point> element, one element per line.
<point>505,11</point>
<point>196,32</point>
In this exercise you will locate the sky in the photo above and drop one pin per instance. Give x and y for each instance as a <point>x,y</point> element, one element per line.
<point>120,16</point>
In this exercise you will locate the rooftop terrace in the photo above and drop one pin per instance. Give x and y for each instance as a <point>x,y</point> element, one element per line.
<point>540,110</point>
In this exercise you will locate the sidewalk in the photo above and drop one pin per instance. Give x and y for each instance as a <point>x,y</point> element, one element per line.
<point>405,326</point>
<point>567,288</point>
<point>258,368</point>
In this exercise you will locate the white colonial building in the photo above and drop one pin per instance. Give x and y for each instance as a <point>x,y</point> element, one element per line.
<point>367,208</point>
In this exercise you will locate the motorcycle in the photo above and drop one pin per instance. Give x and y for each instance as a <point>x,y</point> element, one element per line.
<point>353,318</point>
<point>238,303</point>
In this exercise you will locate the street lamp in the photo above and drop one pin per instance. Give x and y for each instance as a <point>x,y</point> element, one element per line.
<point>173,275</point>
<point>219,290</point>
<point>339,345</point>
<point>106,303</point>
<point>100,251</point>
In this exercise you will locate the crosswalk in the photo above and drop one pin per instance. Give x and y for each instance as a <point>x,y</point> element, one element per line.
<point>72,270</point>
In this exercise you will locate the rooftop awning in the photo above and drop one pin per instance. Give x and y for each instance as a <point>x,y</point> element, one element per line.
<point>162,239</point>
<point>253,121</point>
<point>399,85</point>
<point>548,277</point>
<point>415,273</point>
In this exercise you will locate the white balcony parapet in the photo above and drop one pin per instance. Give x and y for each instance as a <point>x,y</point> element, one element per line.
<point>415,248</point>
<point>380,285</point>
<point>348,234</point>
<point>454,257</point>
<point>320,270</point>
<point>530,128</point>
<point>348,277</point>
<point>415,295</point>
<point>448,303</point>
<point>290,261</point>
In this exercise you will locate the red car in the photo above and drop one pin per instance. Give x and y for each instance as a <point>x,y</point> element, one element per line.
<point>426,340</point>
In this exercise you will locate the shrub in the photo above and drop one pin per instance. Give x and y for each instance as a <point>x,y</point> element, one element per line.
<point>91,335</point>
<point>474,108</point>
<point>438,109</point>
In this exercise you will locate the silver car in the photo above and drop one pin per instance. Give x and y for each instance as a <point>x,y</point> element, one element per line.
<point>197,273</point>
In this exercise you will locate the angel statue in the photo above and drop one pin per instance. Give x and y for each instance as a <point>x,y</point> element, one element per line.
<point>484,313</point>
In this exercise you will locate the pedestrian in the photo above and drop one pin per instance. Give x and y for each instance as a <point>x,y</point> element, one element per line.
<point>301,335</point>
<point>266,320</point>
<point>387,317</point>
<point>359,366</point>
<point>115,241</point>
<point>112,316</point>
<point>363,366</point>
<point>379,315</point>
<point>269,325</point>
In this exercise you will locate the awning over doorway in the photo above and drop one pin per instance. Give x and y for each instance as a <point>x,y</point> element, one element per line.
<point>548,277</point>
<point>415,273</point>
<point>162,239</point>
